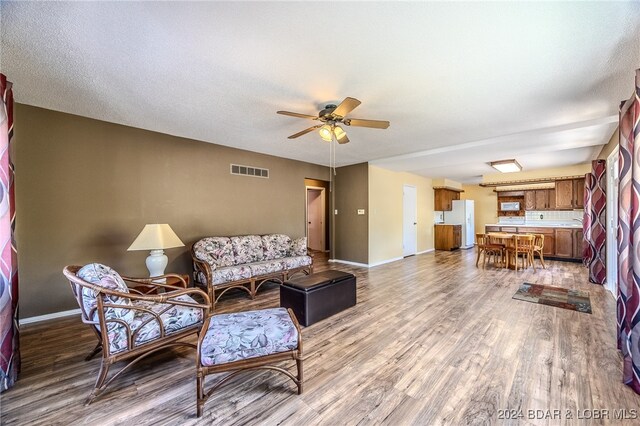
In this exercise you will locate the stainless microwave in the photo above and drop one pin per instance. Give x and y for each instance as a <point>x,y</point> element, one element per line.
<point>510,206</point>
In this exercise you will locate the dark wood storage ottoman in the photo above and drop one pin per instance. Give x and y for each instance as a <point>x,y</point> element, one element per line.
<point>318,296</point>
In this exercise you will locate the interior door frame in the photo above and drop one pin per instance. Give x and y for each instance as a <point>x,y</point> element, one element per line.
<point>323,206</point>
<point>611,282</point>
<point>415,226</point>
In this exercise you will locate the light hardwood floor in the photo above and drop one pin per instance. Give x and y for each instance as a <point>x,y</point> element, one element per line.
<point>432,340</point>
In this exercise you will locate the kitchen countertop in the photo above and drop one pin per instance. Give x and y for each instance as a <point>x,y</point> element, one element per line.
<point>577,225</point>
<point>454,224</point>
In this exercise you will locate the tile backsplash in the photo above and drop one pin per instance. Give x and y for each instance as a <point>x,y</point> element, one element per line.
<point>553,215</point>
<point>544,216</point>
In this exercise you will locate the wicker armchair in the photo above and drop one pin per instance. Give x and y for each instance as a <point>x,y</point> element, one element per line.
<point>131,324</point>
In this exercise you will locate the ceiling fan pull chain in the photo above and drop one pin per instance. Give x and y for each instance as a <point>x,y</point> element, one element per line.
<point>330,174</point>
<point>333,142</point>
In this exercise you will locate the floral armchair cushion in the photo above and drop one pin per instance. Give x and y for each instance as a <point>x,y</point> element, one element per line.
<point>103,276</point>
<point>145,327</point>
<point>242,335</point>
<point>247,249</point>
<point>216,251</point>
<point>299,247</point>
<point>276,246</point>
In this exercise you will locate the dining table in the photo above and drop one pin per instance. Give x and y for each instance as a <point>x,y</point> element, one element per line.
<point>506,239</point>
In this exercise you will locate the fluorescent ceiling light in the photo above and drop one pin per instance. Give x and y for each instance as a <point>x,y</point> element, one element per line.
<point>506,166</point>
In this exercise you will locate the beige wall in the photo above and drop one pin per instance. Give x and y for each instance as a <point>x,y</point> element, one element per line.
<point>85,189</point>
<point>351,192</point>
<point>385,220</point>
<point>485,204</point>
<point>610,146</point>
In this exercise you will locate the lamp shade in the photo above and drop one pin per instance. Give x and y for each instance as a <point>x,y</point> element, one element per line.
<point>157,236</point>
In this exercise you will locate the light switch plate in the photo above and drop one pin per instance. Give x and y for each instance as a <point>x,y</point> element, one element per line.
<point>336,211</point>
<point>360,211</point>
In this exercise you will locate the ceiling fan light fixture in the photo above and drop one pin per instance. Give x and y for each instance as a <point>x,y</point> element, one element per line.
<point>325,133</point>
<point>506,166</point>
<point>339,132</point>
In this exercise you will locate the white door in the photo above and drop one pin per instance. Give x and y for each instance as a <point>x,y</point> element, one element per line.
<point>409,221</point>
<point>315,219</point>
<point>612,223</point>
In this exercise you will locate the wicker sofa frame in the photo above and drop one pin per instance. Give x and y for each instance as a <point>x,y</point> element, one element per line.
<point>250,285</point>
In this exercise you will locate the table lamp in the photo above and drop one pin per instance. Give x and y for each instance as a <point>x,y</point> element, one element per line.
<point>156,237</point>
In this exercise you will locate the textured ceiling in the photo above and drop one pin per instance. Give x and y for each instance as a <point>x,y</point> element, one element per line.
<point>461,83</point>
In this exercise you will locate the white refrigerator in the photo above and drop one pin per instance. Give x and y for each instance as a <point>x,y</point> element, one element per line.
<point>462,214</point>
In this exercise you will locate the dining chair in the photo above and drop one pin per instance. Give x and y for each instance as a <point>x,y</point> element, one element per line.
<point>489,250</point>
<point>521,244</point>
<point>538,247</point>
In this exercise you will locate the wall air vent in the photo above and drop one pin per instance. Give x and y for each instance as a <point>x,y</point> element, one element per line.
<point>238,169</point>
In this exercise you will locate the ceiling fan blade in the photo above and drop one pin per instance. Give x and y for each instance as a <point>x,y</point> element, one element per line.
<point>346,106</point>
<point>297,114</point>
<point>357,122</point>
<point>304,132</point>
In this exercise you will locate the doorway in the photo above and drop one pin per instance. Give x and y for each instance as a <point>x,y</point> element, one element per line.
<point>409,221</point>
<point>611,283</point>
<point>316,219</point>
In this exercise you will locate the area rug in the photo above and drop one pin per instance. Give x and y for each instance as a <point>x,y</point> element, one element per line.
<point>574,300</point>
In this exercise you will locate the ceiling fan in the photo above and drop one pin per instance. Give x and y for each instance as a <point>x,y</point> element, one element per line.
<point>333,115</point>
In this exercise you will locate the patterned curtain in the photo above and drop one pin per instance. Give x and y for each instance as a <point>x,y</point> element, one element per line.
<point>594,223</point>
<point>629,239</point>
<point>9,347</point>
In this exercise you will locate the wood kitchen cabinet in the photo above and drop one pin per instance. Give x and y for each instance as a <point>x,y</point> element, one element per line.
<point>443,199</point>
<point>578,243</point>
<point>570,194</point>
<point>540,199</point>
<point>564,242</point>
<point>578,191</point>
<point>564,194</point>
<point>549,248</point>
<point>448,237</point>
<point>530,200</point>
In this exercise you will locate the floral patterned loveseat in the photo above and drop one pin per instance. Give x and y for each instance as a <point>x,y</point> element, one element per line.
<point>247,261</point>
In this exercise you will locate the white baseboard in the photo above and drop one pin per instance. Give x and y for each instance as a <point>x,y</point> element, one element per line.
<point>362,265</point>
<point>382,262</point>
<point>47,317</point>
<point>426,251</point>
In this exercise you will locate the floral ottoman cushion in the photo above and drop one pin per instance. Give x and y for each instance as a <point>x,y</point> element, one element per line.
<point>243,335</point>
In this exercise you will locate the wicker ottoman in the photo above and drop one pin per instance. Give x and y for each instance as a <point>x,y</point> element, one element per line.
<point>315,297</point>
<point>249,340</point>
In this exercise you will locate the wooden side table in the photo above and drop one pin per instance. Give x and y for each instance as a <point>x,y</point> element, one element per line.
<point>147,289</point>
